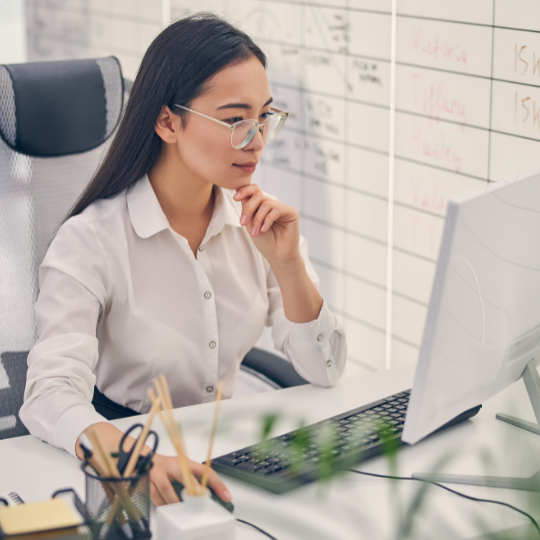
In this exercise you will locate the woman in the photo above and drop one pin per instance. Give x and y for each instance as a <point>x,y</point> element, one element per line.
<point>172,261</point>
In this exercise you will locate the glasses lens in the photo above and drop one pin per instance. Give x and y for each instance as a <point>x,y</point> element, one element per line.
<point>243,133</point>
<point>273,126</point>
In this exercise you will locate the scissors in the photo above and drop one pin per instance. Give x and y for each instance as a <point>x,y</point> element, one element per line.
<point>124,455</point>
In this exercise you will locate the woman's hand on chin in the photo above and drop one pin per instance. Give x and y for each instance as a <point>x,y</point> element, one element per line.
<point>273,226</point>
<point>166,469</point>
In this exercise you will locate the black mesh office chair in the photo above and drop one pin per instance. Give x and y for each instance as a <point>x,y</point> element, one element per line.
<point>46,160</point>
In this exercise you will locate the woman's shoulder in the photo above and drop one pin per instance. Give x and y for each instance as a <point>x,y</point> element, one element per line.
<point>84,230</point>
<point>101,209</point>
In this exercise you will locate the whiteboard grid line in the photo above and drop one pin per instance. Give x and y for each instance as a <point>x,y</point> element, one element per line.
<point>345,7</point>
<point>405,15</point>
<point>325,181</point>
<point>346,178</point>
<point>81,43</point>
<point>352,189</point>
<point>99,13</point>
<point>301,131</point>
<point>396,156</point>
<point>490,102</point>
<point>166,12</point>
<point>365,237</point>
<point>366,281</point>
<point>344,230</point>
<point>391,172</point>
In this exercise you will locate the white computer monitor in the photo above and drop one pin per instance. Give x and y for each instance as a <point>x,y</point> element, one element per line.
<point>483,323</point>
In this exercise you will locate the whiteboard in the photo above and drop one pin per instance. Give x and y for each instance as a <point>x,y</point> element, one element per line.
<point>371,178</point>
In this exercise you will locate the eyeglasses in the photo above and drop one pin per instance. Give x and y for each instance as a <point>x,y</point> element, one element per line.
<point>242,132</point>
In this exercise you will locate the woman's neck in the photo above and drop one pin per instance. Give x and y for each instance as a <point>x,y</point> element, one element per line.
<point>186,201</point>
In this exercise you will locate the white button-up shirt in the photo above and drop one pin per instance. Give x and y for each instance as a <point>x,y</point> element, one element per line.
<point>123,300</point>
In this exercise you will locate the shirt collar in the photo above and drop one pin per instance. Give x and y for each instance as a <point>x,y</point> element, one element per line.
<point>148,218</point>
<point>145,212</point>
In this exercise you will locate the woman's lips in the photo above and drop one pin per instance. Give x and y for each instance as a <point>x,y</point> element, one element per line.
<point>247,167</point>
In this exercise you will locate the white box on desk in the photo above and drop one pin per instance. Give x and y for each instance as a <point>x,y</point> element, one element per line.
<point>196,518</point>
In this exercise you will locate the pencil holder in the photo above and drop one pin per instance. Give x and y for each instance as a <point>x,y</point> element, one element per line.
<point>195,518</point>
<point>119,508</point>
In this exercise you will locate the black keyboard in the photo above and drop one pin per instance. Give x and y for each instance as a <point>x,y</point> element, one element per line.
<point>279,465</point>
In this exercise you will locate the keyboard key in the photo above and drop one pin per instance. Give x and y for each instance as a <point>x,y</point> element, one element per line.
<point>247,466</point>
<point>229,459</point>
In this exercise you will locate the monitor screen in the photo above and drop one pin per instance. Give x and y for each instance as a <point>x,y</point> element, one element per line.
<point>483,322</point>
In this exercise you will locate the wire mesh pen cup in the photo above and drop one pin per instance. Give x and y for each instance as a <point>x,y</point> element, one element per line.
<point>119,508</point>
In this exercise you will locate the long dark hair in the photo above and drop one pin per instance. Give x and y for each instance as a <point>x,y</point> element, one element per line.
<point>174,69</point>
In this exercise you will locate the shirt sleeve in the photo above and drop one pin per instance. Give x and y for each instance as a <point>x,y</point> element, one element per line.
<point>316,349</point>
<point>60,381</point>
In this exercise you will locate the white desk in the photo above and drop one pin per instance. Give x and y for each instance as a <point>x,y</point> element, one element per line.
<point>351,507</point>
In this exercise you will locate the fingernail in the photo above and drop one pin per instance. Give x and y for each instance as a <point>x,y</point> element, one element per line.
<point>263,228</point>
<point>253,231</point>
<point>243,220</point>
<point>226,496</point>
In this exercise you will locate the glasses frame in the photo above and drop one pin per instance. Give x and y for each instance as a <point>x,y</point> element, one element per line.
<point>254,122</point>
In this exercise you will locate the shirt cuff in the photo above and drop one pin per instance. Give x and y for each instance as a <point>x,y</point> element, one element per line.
<point>314,333</point>
<point>72,423</point>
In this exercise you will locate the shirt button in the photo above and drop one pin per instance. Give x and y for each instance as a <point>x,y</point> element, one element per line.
<point>208,295</point>
<point>320,337</point>
<point>209,389</point>
<point>201,248</point>
<point>212,344</point>
<point>329,363</point>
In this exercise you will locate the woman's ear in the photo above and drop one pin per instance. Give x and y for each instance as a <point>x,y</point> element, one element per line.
<point>168,125</point>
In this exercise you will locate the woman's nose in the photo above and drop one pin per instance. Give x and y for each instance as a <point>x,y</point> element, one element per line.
<point>257,143</point>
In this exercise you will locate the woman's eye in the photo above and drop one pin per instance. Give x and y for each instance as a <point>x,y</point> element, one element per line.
<point>266,115</point>
<point>233,120</point>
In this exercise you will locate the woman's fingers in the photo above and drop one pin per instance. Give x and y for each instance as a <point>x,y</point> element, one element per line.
<point>265,208</point>
<point>155,496</point>
<point>220,489</point>
<point>166,469</point>
<point>214,481</point>
<point>246,191</point>
<point>162,482</point>
<point>272,216</point>
<point>250,207</point>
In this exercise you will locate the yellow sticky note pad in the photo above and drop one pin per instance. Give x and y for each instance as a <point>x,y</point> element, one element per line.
<point>38,516</point>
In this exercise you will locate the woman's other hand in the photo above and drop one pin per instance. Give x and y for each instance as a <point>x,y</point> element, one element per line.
<point>273,226</point>
<point>166,469</point>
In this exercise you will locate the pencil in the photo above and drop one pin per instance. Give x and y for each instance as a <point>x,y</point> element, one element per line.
<point>172,430</point>
<point>191,484</point>
<point>142,438</point>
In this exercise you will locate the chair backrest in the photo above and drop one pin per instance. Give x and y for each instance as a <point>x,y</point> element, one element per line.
<point>56,119</point>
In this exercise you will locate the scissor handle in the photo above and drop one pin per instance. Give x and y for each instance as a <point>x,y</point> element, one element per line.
<point>126,435</point>
<point>156,441</point>
<point>123,454</point>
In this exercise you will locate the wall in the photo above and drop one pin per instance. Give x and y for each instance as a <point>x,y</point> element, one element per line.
<point>394,110</point>
<point>13,45</point>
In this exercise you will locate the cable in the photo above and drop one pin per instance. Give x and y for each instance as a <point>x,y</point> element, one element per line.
<point>258,528</point>
<point>470,497</point>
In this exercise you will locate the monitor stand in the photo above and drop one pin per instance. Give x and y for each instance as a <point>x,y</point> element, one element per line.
<point>532,383</point>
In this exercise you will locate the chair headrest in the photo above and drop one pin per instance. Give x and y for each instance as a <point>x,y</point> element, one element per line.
<point>59,108</point>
